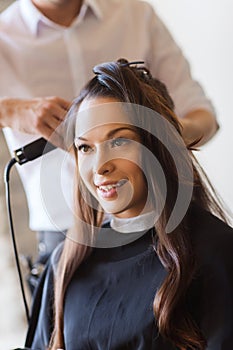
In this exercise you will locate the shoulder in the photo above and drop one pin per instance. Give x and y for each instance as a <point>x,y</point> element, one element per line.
<point>139,4</point>
<point>9,14</point>
<point>129,7</point>
<point>11,22</point>
<point>212,238</point>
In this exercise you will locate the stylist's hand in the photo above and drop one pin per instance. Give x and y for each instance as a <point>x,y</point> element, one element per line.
<point>39,116</point>
<point>198,126</point>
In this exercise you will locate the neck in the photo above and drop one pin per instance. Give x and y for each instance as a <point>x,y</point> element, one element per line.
<point>62,12</point>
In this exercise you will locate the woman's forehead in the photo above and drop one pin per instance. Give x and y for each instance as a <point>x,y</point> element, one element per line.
<point>99,112</point>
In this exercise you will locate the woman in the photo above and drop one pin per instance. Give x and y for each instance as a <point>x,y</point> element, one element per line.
<point>155,277</point>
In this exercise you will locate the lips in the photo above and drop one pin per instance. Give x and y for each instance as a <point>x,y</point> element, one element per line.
<point>108,190</point>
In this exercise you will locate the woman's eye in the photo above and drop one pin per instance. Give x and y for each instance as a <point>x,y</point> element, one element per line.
<point>119,142</point>
<point>84,149</point>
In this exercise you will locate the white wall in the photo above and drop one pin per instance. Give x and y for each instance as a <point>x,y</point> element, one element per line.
<point>204,30</point>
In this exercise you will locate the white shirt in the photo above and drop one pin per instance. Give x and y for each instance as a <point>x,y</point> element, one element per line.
<point>40,58</point>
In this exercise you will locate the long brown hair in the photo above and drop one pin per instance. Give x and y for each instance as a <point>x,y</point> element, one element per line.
<point>132,84</point>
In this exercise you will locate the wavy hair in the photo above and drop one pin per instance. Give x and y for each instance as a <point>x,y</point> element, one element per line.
<point>134,84</point>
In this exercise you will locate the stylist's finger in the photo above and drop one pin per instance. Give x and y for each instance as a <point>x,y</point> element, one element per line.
<point>65,104</point>
<point>49,114</point>
<point>58,105</point>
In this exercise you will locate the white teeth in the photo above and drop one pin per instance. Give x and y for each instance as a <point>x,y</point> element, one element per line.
<point>109,187</point>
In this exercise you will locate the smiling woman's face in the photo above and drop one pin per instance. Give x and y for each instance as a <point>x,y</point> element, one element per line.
<point>109,157</point>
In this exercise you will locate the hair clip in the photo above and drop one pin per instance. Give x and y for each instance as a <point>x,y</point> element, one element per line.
<point>122,63</point>
<point>143,70</point>
<point>128,64</point>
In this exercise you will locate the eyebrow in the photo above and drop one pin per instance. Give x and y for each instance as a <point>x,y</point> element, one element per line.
<point>111,133</point>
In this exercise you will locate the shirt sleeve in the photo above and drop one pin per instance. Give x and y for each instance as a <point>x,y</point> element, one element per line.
<point>169,65</point>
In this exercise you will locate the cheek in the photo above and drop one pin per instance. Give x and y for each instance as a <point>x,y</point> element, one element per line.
<point>137,176</point>
<point>132,166</point>
<point>134,155</point>
<point>85,171</point>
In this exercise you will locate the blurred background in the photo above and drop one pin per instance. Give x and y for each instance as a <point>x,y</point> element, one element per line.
<point>12,316</point>
<point>204,30</point>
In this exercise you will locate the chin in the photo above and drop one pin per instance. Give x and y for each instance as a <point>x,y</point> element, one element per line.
<point>113,211</point>
<point>120,212</point>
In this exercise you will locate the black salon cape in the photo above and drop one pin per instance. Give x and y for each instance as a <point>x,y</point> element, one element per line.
<point>109,302</point>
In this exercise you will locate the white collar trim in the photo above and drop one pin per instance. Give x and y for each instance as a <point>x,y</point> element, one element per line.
<point>139,223</point>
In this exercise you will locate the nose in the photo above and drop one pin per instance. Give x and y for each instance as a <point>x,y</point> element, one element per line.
<point>103,162</point>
